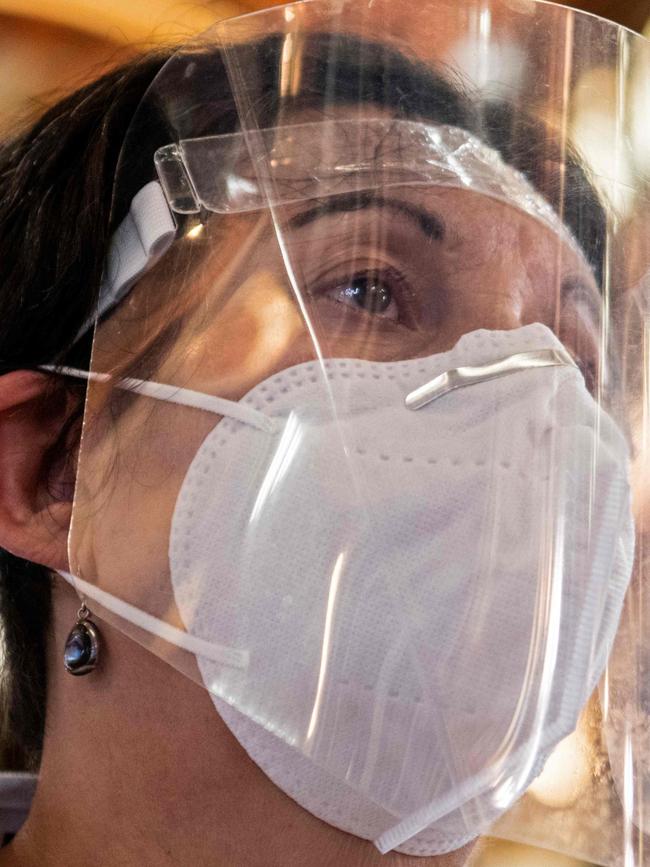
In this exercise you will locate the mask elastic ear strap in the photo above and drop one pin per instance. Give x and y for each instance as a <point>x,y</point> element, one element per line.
<point>175,394</point>
<point>229,656</point>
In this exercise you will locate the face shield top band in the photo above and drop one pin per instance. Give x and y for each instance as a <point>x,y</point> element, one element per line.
<point>215,175</point>
<point>366,413</point>
<point>350,156</point>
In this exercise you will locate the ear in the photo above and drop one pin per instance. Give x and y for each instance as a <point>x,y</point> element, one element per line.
<point>36,467</point>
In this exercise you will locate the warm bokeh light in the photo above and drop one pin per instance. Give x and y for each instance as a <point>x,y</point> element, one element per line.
<point>497,853</point>
<point>50,48</point>
<point>566,774</point>
<point>596,101</point>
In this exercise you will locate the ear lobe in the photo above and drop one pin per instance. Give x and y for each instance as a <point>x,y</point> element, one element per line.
<point>35,484</point>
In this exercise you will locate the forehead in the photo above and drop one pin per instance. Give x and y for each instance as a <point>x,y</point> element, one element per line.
<point>442,170</point>
<point>309,157</point>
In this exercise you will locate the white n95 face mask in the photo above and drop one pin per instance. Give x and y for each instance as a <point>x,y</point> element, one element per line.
<point>422,566</point>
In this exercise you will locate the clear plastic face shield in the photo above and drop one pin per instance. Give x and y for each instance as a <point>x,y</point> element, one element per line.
<point>363,450</point>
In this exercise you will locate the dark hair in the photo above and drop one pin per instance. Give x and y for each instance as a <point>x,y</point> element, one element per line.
<point>58,209</point>
<point>56,182</point>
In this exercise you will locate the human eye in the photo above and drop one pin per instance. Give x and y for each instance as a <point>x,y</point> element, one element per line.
<point>369,293</point>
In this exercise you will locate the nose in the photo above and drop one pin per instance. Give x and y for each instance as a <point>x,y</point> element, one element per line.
<point>494,296</point>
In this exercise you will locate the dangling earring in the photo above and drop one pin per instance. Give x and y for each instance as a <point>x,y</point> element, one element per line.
<point>82,645</point>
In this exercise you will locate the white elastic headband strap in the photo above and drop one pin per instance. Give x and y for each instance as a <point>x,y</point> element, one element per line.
<point>141,239</point>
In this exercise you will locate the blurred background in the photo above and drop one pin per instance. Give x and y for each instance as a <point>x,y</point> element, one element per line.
<point>48,47</point>
<point>53,45</point>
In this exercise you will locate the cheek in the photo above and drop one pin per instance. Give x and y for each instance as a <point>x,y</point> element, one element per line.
<point>259,332</point>
<point>129,487</point>
<point>133,468</point>
<point>543,258</point>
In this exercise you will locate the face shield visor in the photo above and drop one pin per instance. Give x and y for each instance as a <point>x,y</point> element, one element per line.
<point>366,406</point>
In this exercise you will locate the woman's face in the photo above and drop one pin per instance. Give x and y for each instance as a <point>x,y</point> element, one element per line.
<point>380,275</point>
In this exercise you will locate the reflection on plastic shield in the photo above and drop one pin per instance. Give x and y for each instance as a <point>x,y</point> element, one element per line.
<point>374,213</point>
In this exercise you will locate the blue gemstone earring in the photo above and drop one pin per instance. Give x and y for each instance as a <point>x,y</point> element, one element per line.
<point>82,645</point>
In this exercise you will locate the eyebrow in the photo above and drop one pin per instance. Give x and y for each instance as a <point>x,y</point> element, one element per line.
<point>429,223</point>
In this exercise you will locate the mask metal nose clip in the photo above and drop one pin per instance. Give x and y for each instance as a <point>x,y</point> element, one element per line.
<point>460,377</point>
